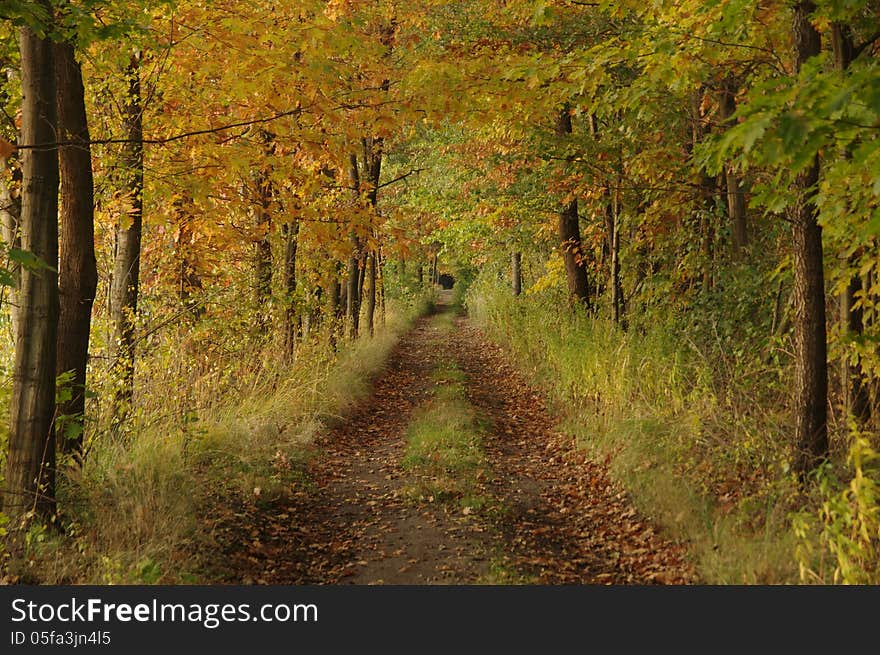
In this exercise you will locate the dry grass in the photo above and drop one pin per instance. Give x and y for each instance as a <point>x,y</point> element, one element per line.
<point>688,455</point>
<point>132,512</point>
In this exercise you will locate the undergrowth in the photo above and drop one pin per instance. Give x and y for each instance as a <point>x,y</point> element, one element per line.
<point>701,454</point>
<point>134,512</point>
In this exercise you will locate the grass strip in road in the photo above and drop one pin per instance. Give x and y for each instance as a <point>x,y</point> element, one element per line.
<point>444,453</point>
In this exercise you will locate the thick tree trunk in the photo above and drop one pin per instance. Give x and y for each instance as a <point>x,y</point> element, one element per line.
<point>570,233</point>
<point>78,275</point>
<point>291,318</point>
<point>811,366</point>
<point>126,267</point>
<point>516,272</point>
<point>30,465</point>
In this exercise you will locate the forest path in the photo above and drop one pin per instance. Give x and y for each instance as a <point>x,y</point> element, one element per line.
<point>543,513</point>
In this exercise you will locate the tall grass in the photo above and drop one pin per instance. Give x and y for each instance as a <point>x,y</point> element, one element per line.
<point>698,456</point>
<point>134,511</point>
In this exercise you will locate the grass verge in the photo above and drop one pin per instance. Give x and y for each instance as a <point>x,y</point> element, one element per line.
<point>134,514</point>
<point>698,461</point>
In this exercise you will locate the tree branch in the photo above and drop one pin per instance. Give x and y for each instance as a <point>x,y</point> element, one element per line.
<point>399,178</point>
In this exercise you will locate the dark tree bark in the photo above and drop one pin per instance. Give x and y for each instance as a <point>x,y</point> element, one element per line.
<point>336,312</point>
<point>370,291</point>
<point>188,282</point>
<point>736,198</point>
<point>263,251</point>
<point>353,303</point>
<point>706,201</point>
<point>30,465</point>
<point>380,280</point>
<point>291,318</point>
<point>125,284</point>
<point>617,301</point>
<point>373,166</point>
<point>516,272</point>
<point>811,366</point>
<point>78,274</point>
<point>10,222</point>
<point>570,233</point>
<point>855,389</point>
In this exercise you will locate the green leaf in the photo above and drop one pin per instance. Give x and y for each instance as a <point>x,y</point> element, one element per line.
<point>29,260</point>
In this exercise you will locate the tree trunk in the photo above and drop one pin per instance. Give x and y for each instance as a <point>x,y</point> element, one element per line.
<point>570,233</point>
<point>10,221</point>
<point>373,166</point>
<point>516,272</point>
<point>263,251</point>
<point>380,281</point>
<point>707,189</point>
<point>855,389</point>
<point>126,267</point>
<point>736,199</point>
<point>30,466</point>
<point>336,312</point>
<point>77,271</point>
<point>353,304</point>
<point>617,304</point>
<point>811,366</point>
<point>370,291</point>
<point>291,319</point>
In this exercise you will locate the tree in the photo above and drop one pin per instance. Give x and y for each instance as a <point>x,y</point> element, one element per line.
<point>30,468</point>
<point>126,268</point>
<point>570,233</point>
<point>77,271</point>
<point>811,365</point>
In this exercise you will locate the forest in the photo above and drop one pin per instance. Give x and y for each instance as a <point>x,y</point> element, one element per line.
<point>370,291</point>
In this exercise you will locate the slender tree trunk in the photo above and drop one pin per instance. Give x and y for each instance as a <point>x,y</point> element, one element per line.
<point>10,221</point>
<point>263,251</point>
<point>516,272</point>
<point>188,279</point>
<point>707,190</point>
<point>570,233</point>
<point>291,319</point>
<point>736,198</point>
<point>78,275</point>
<point>126,267</point>
<point>354,301</point>
<point>370,291</point>
<point>617,302</point>
<point>30,465</point>
<point>380,277</point>
<point>336,313</point>
<point>855,389</point>
<point>811,366</point>
<point>373,166</point>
